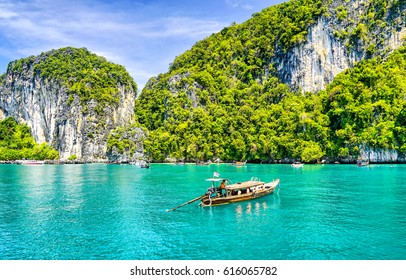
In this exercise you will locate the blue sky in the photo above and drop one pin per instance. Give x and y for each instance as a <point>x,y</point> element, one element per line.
<point>144,36</point>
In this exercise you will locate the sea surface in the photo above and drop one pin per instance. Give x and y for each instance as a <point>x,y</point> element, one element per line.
<point>118,212</point>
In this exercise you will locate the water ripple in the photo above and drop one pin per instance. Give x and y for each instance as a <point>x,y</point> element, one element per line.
<point>118,212</point>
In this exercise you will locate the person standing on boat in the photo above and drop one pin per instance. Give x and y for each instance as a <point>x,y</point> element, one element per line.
<point>222,187</point>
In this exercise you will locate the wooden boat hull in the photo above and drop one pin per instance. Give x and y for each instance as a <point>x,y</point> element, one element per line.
<point>266,189</point>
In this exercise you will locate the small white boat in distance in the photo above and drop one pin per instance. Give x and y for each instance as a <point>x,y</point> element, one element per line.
<point>239,163</point>
<point>362,162</point>
<point>32,162</point>
<point>297,164</point>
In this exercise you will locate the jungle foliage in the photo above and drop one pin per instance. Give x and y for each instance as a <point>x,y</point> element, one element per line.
<point>366,105</point>
<point>17,143</point>
<point>223,99</point>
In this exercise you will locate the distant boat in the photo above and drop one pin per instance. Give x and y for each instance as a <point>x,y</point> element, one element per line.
<point>203,162</point>
<point>32,162</point>
<point>362,162</point>
<point>140,163</point>
<point>144,164</point>
<point>239,163</point>
<point>297,164</point>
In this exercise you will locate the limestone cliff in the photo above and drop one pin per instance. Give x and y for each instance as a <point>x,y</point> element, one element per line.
<point>382,155</point>
<point>63,106</point>
<point>126,144</point>
<point>348,33</point>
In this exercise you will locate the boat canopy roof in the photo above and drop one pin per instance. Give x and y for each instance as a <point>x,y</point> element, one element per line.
<point>244,185</point>
<point>216,179</point>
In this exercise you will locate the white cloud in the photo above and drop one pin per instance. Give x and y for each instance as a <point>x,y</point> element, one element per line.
<point>251,5</point>
<point>240,3</point>
<point>180,27</point>
<point>247,7</point>
<point>143,36</point>
<point>84,23</point>
<point>233,3</point>
<point>6,14</point>
<point>37,26</point>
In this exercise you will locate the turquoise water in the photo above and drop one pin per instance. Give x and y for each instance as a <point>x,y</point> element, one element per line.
<point>99,211</point>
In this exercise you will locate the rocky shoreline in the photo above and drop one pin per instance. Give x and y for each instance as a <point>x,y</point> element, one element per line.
<point>19,162</point>
<point>61,162</point>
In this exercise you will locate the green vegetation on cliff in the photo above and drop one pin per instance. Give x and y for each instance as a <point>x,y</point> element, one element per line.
<point>16,143</point>
<point>82,72</point>
<point>367,105</point>
<point>367,31</point>
<point>82,92</point>
<point>243,51</point>
<point>223,97</point>
<point>125,139</point>
<point>364,106</point>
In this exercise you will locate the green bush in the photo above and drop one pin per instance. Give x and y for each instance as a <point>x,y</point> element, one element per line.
<point>16,143</point>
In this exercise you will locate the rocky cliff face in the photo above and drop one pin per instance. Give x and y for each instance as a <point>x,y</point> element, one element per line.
<point>337,41</point>
<point>57,116</point>
<point>382,155</point>
<point>126,145</point>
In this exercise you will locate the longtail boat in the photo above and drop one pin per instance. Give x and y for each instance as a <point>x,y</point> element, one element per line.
<point>237,192</point>
<point>220,193</point>
<point>239,163</point>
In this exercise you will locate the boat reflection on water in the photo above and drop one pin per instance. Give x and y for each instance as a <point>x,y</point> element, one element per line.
<point>251,208</point>
<point>257,207</point>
